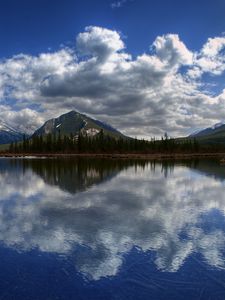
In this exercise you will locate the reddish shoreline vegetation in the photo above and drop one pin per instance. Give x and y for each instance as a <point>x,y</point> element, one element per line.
<point>152,156</point>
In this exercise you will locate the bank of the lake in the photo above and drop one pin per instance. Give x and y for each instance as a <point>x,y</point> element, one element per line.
<point>145,156</point>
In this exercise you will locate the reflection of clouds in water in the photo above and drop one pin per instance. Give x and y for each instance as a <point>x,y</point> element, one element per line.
<point>141,208</point>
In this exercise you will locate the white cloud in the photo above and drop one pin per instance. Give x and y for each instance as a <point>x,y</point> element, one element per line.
<point>172,51</point>
<point>210,59</point>
<point>156,92</point>
<point>213,46</point>
<point>99,42</point>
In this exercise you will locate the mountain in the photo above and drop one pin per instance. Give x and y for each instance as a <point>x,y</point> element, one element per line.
<point>74,122</point>
<point>214,134</point>
<point>9,134</point>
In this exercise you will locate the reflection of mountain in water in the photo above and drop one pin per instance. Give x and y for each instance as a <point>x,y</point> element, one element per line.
<point>74,175</point>
<point>208,167</point>
<point>164,208</point>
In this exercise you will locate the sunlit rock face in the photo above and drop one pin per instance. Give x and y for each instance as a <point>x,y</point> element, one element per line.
<point>161,208</point>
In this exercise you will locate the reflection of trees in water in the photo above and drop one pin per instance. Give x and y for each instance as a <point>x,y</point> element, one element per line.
<point>209,167</point>
<point>76,174</point>
<point>145,209</point>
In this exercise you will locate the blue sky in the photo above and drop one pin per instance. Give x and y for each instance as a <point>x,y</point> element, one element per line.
<point>34,26</point>
<point>144,66</point>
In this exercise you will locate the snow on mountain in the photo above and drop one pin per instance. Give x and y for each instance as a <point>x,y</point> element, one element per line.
<point>8,134</point>
<point>217,125</point>
<point>73,123</point>
<point>217,129</point>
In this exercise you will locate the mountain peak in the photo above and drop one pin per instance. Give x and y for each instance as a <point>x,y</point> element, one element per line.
<point>74,123</point>
<point>71,112</point>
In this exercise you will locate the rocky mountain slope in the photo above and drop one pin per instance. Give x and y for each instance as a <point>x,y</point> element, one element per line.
<point>214,134</point>
<point>72,123</point>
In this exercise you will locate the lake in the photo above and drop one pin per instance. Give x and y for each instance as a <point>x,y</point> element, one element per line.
<point>112,229</point>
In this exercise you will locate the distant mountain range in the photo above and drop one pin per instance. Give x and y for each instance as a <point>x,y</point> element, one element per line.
<point>9,134</point>
<point>214,134</point>
<point>71,123</point>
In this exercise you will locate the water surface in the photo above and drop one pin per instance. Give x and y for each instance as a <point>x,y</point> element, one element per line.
<point>111,229</point>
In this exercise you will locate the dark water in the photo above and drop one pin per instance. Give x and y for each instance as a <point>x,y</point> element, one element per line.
<point>107,229</point>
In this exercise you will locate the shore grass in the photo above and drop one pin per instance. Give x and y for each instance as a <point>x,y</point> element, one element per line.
<point>150,156</point>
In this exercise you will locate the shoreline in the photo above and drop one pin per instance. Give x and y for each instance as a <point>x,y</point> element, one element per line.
<point>152,156</point>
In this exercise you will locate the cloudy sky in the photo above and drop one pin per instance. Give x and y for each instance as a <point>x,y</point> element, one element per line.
<point>143,66</point>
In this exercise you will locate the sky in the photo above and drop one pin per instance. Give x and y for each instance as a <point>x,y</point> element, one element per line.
<point>145,67</point>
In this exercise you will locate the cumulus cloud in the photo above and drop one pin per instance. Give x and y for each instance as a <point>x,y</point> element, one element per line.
<point>45,216</point>
<point>211,58</point>
<point>172,51</point>
<point>144,96</point>
<point>99,42</point>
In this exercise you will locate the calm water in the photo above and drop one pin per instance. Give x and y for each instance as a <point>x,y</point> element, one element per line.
<point>105,229</point>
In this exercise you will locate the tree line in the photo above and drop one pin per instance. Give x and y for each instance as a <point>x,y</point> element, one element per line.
<point>102,143</point>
